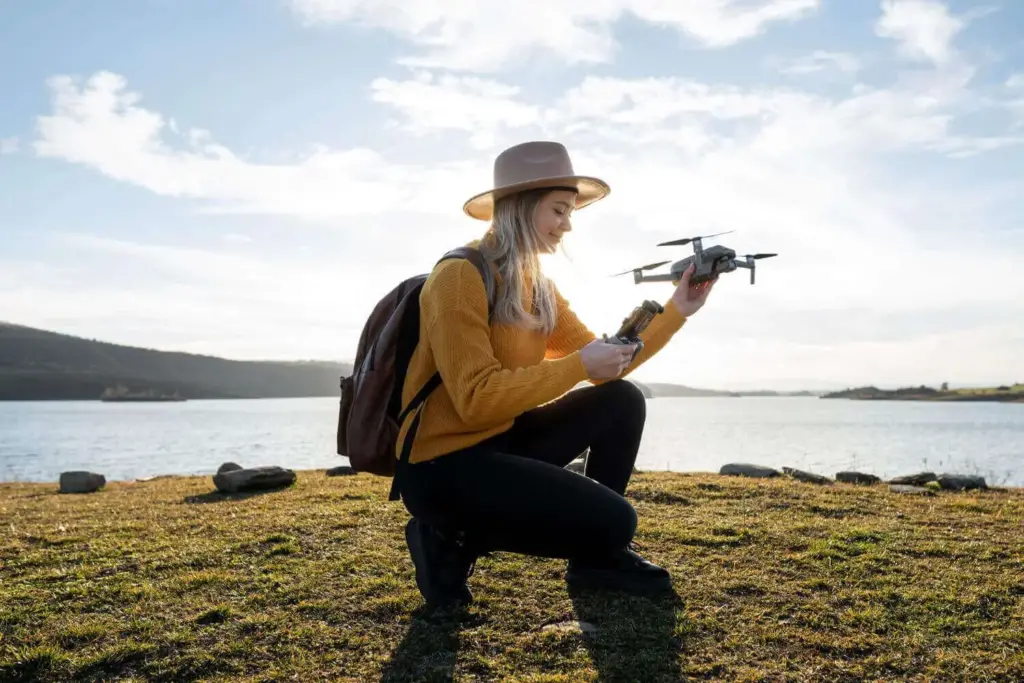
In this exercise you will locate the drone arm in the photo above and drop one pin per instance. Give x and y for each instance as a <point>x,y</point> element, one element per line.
<point>660,277</point>
<point>743,263</point>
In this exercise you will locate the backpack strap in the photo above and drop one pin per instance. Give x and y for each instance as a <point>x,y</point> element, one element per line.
<point>476,258</point>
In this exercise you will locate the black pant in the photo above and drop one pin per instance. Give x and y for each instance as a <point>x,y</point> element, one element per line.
<point>512,493</point>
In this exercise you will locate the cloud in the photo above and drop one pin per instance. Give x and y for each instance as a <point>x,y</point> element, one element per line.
<point>9,145</point>
<point>924,29</point>
<point>432,103</point>
<point>101,124</point>
<point>819,61</point>
<point>478,36</point>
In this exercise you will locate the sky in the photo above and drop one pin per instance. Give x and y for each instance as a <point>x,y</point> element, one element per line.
<point>246,178</point>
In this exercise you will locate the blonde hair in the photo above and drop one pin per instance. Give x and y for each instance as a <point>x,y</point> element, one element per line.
<point>512,245</point>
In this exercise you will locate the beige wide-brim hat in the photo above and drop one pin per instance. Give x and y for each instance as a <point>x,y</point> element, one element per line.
<point>533,165</point>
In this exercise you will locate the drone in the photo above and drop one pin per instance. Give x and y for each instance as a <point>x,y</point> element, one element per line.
<point>707,263</point>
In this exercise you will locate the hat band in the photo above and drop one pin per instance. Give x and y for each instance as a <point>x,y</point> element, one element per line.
<point>555,188</point>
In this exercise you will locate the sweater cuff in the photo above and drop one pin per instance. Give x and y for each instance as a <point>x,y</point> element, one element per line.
<point>572,368</point>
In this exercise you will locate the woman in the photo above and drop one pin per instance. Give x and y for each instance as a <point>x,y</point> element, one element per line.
<point>487,467</point>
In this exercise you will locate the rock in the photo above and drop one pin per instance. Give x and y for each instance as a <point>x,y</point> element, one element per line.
<point>340,471</point>
<point>253,479</point>
<point>229,467</point>
<point>919,479</point>
<point>81,482</point>
<point>960,482</point>
<point>857,478</point>
<point>904,488</point>
<point>746,470</point>
<point>808,477</point>
<point>571,627</point>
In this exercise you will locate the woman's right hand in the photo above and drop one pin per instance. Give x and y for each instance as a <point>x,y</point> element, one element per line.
<point>606,361</point>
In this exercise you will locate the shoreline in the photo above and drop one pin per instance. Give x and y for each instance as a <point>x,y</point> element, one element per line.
<point>748,471</point>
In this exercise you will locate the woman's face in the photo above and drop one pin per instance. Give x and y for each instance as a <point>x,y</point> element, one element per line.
<point>552,218</point>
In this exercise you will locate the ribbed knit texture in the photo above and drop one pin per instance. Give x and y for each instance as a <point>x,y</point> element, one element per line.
<point>491,374</point>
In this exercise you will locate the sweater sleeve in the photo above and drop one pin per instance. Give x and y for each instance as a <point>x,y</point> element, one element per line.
<point>571,334</point>
<point>662,328</point>
<point>454,308</point>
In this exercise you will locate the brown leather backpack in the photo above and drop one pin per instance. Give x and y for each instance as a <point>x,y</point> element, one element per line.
<point>370,412</point>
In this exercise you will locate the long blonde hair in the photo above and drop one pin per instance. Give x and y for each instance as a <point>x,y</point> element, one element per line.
<point>512,245</point>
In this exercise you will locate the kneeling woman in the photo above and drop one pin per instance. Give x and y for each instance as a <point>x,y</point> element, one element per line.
<point>486,471</point>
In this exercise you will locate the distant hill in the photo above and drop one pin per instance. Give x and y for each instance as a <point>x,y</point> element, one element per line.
<point>1007,393</point>
<point>663,390</point>
<point>41,365</point>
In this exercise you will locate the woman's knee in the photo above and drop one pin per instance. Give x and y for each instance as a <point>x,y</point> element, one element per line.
<point>626,398</point>
<point>620,525</point>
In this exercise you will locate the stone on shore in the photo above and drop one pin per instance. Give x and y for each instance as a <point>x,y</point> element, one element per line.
<point>81,482</point>
<point>857,478</point>
<point>961,482</point>
<point>582,627</point>
<point>919,479</point>
<point>808,477</point>
<point>341,471</point>
<point>253,479</point>
<point>748,470</point>
<point>907,489</point>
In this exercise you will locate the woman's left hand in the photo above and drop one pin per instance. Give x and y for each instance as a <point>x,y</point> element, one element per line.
<point>689,299</point>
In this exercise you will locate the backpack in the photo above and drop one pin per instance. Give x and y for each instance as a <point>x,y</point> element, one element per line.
<point>370,413</point>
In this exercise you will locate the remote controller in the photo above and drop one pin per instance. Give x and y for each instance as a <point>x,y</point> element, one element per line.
<point>635,323</point>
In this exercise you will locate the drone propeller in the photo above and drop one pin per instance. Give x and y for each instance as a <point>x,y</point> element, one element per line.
<point>687,240</point>
<point>759,256</point>
<point>649,266</point>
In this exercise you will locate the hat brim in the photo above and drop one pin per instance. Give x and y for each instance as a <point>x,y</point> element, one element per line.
<point>589,190</point>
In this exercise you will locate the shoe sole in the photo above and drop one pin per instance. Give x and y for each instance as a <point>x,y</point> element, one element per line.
<point>423,582</point>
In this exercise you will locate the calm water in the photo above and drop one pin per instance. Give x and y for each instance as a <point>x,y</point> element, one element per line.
<point>123,441</point>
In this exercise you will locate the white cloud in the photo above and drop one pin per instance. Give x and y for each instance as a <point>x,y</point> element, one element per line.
<point>479,36</point>
<point>101,124</point>
<point>924,28</point>
<point>9,145</point>
<point>434,103</point>
<point>819,61</point>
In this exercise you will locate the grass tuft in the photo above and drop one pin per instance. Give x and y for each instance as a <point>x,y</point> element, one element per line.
<point>774,580</point>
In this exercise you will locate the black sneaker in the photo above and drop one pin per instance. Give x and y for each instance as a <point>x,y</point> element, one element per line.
<point>442,565</point>
<point>625,570</point>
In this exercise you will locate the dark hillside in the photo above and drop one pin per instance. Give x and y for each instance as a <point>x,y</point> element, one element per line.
<point>38,365</point>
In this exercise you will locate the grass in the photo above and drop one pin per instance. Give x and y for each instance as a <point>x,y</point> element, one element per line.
<point>775,580</point>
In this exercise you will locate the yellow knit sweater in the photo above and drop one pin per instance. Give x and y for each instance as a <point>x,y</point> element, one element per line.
<point>493,373</point>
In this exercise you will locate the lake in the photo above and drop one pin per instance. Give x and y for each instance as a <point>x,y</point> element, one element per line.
<point>39,440</point>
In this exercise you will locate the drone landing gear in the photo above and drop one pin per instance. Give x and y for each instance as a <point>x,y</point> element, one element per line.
<point>635,323</point>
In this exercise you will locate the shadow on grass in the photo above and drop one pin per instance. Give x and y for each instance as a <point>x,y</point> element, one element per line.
<point>219,497</point>
<point>638,637</point>
<point>429,650</point>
